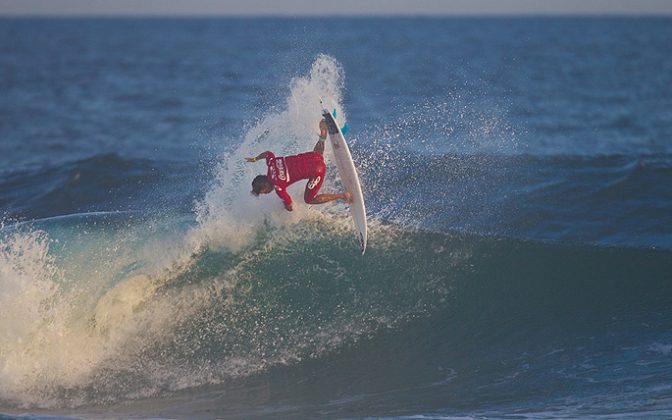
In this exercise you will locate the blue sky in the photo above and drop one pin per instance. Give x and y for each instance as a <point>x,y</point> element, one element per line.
<point>328,7</point>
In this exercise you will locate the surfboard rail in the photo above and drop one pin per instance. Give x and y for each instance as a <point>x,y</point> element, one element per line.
<point>349,177</point>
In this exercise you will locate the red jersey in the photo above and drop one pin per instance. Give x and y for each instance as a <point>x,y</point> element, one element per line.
<point>286,170</point>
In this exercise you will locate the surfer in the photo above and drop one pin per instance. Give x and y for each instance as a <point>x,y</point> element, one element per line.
<point>286,170</point>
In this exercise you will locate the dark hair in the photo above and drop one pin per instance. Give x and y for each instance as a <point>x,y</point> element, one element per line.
<point>258,182</point>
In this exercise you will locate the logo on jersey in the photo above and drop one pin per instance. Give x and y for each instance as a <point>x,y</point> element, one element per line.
<point>282,174</point>
<point>313,183</point>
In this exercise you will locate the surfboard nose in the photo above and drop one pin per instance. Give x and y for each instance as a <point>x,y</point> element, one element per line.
<point>331,122</point>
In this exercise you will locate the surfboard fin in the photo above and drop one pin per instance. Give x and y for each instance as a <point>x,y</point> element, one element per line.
<point>344,129</point>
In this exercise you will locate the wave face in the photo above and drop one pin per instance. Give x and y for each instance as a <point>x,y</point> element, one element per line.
<point>98,310</point>
<point>298,316</point>
<point>498,278</point>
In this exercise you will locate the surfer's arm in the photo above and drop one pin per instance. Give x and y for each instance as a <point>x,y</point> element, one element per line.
<point>323,129</point>
<point>261,155</point>
<point>319,146</point>
<point>286,199</point>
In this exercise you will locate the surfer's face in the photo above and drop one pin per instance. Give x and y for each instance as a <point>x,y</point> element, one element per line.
<point>265,189</point>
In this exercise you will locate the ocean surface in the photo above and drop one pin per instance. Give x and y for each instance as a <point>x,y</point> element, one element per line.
<point>518,180</point>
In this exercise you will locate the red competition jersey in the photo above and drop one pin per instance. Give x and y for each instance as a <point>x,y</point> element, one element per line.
<point>286,170</point>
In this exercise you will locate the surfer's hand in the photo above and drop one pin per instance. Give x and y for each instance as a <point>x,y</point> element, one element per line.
<point>347,197</point>
<point>289,207</point>
<point>252,159</point>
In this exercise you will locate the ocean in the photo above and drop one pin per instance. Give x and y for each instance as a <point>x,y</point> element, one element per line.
<point>517,174</point>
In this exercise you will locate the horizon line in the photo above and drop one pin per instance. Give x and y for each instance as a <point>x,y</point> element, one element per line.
<point>530,14</point>
<point>310,8</point>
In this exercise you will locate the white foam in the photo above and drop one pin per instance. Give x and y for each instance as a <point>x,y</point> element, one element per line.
<point>53,329</point>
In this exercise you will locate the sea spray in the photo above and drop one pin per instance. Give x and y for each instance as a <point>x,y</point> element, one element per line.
<point>229,215</point>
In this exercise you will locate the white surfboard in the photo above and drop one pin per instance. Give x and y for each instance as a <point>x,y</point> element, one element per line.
<point>348,173</point>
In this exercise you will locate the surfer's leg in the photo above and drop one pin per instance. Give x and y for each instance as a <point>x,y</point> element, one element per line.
<point>312,188</point>
<point>319,147</point>
<point>325,198</point>
<point>314,184</point>
<point>318,169</point>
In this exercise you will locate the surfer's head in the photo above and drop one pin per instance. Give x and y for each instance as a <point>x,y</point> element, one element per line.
<point>261,185</point>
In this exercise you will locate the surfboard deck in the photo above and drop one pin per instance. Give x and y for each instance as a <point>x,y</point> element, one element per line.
<point>349,177</point>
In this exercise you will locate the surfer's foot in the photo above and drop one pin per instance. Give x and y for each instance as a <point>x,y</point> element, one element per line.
<point>347,197</point>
